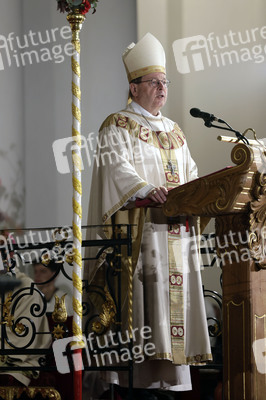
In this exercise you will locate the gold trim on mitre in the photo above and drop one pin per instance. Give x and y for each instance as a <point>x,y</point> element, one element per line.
<point>144,57</point>
<point>145,71</point>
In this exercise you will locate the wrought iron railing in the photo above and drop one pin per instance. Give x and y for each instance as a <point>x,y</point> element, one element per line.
<point>24,306</point>
<point>20,332</point>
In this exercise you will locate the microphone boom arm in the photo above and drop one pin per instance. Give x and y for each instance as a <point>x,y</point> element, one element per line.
<point>229,128</point>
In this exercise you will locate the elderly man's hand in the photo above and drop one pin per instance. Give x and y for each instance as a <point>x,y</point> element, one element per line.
<point>158,195</point>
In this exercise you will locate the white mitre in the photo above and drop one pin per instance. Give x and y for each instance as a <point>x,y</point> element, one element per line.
<point>144,57</point>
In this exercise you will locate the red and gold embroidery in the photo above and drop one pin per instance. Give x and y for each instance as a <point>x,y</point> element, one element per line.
<point>176,279</point>
<point>160,139</point>
<point>177,331</point>
<point>172,178</point>
<point>167,143</point>
<point>174,229</point>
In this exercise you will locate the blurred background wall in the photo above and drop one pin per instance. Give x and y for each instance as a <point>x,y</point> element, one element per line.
<point>35,96</point>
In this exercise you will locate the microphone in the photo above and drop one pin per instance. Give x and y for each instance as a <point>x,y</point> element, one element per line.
<point>208,118</point>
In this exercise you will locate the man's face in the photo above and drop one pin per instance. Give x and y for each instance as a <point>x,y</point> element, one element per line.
<point>42,274</point>
<point>149,97</point>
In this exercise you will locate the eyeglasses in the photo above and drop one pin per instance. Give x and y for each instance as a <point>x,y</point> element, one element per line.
<point>157,82</point>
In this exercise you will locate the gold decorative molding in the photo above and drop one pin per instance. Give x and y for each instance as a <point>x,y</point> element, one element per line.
<point>58,332</point>
<point>20,328</point>
<point>257,221</point>
<point>8,318</point>
<point>60,313</point>
<point>219,193</point>
<point>107,315</point>
<point>13,392</point>
<point>75,20</point>
<point>233,192</point>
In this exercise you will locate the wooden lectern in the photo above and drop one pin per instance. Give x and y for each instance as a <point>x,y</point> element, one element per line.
<point>236,198</point>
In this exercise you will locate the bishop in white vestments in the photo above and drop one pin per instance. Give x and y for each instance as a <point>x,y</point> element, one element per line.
<point>142,155</point>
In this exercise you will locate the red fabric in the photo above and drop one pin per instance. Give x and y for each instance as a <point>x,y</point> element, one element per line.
<point>9,380</point>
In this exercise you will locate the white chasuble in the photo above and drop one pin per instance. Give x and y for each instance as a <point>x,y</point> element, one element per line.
<point>137,151</point>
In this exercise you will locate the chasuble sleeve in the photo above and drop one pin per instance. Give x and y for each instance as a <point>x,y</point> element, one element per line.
<point>115,180</point>
<point>115,169</point>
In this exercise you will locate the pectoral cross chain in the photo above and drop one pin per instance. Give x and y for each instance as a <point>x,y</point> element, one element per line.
<point>171,167</point>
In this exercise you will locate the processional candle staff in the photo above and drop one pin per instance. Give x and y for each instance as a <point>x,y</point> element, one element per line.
<point>76,9</point>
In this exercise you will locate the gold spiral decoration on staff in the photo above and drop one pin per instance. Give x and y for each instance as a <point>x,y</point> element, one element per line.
<point>76,20</point>
<point>130,297</point>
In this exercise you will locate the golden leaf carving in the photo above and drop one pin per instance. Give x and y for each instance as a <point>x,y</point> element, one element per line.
<point>257,221</point>
<point>20,328</point>
<point>107,315</point>
<point>8,318</point>
<point>216,193</point>
<point>60,313</point>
